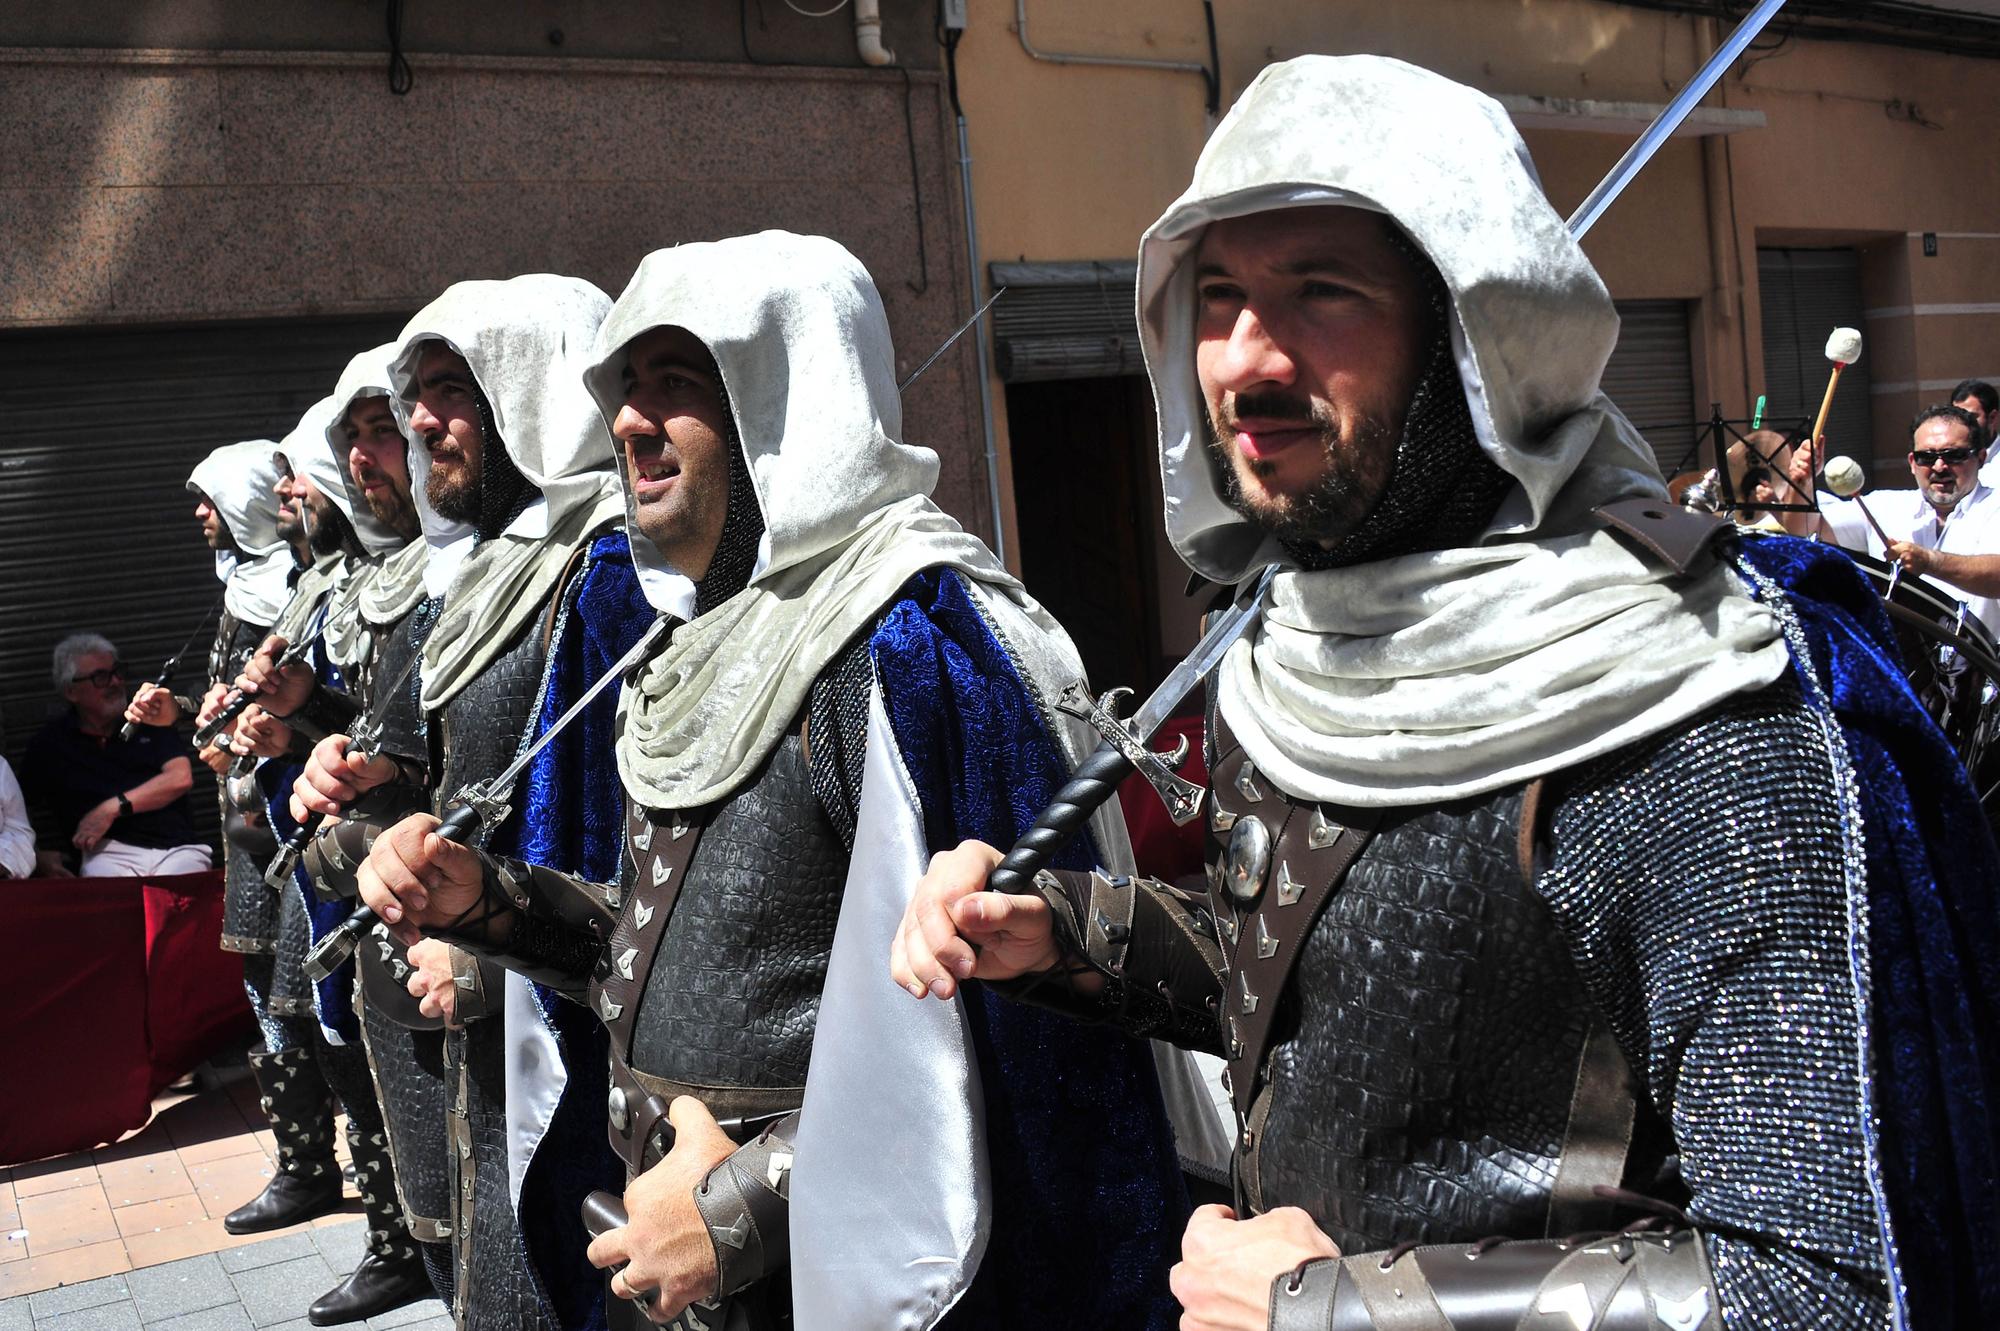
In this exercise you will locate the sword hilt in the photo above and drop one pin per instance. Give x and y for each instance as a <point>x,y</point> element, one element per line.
<point>327,954</point>
<point>234,706</point>
<point>165,677</point>
<point>279,872</point>
<point>332,951</point>
<point>361,743</point>
<point>1094,782</point>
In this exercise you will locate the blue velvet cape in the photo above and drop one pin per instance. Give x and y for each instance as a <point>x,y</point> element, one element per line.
<point>1088,1203</point>
<point>570,815</point>
<point>1933,945</point>
<point>333,997</point>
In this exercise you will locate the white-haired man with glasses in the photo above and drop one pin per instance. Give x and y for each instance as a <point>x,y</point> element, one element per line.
<point>122,804</point>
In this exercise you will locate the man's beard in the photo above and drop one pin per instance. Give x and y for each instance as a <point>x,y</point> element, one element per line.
<point>391,506</point>
<point>329,531</point>
<point>454,496</point>
<point>1334,505</point>
<point>291,524</point>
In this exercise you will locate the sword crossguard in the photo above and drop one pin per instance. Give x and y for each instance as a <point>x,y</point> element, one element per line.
<point>1181,797</point>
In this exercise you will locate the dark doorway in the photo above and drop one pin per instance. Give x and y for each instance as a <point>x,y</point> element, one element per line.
<point>1086,498</point>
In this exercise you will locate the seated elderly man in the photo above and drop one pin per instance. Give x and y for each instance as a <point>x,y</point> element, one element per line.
<point>121,803</point>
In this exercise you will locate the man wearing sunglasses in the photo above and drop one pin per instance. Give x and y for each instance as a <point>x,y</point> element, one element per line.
<point>1948,528</point>
<point>121,803</point>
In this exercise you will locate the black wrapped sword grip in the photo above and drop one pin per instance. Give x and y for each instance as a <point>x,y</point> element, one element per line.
<point>330,951</point>
<point>1094,782</point>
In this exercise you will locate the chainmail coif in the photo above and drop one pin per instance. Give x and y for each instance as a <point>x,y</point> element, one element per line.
<point>1443,489</point>
<point>742,531</point>
<point>503,491</point>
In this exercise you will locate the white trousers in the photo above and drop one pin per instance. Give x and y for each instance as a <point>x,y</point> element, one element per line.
<point>115,859</point>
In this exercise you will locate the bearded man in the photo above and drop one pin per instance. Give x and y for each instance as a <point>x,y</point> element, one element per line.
<point>1554,886</point>
<point>239,507</point>
<point>852,682</point>
<point>530,583</point>
<point>349,547</point>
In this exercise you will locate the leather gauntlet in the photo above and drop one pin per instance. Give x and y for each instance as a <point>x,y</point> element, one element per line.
<point>545,925</point>
<point>1153,945</point>
<point>746,1202</point>
<point>1624,1282</point>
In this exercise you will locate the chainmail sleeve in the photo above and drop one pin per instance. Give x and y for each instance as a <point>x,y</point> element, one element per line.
<point>837,736</point>
<point>1701,880</point>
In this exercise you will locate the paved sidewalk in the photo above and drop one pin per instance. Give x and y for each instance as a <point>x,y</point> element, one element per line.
<point>264,1284</point>
<point>130,1235</point>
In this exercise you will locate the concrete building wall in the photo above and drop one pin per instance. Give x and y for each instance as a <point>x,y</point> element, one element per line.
<point>206,182</point>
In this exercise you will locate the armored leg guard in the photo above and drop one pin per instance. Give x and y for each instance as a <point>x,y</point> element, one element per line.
<point>391,1274</point>
<point>296,1099</point>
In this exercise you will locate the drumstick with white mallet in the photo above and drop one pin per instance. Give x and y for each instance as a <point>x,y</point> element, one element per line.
<point>1844,477</point>
<point>1843,348</point>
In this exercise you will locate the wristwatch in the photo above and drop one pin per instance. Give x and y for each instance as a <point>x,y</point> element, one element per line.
<point>124,804</point>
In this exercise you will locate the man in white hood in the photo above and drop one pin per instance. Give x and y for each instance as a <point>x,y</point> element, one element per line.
<point>353,551</point>
<point>237,490</point>
<point>1534,904</point>
<point>852,682</point>
<point>528,579</point>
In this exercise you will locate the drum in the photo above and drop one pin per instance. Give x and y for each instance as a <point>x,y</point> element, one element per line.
<point>1953,666</point>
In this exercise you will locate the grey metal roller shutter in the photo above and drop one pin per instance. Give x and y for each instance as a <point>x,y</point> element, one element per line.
<point>1065,321</point>
<point>1651,378</point>
<point>1804,296</point>
<point>99,429</point>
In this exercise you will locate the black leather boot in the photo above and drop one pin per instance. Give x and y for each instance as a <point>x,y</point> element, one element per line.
<point>296,1100</point>
<point>392,1272</point>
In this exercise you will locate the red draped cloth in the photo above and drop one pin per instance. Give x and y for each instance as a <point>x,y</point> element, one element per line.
<point>110,989</point>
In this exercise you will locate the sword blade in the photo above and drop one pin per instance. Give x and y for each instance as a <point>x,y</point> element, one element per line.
<point>963,328</point>
<point>1669,120</point>
<point>1229,626</point>
<point>505,781</point>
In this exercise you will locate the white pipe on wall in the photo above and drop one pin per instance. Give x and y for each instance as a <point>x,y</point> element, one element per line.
<point>868,33</point>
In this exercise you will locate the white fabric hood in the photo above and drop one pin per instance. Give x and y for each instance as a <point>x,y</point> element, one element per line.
<point>1445,673</point>
<point>237,478</point>
<point>1532,326</point>
<point>810,373</point>
<point>305,448</point>
<point>525,339</point>
<point>367,375</point>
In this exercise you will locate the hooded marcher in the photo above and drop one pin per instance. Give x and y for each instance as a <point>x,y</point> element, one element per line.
<point>362,1005</point>
<point>1561,874</point>
<point>239,510</point>
<point>528,578</point>
<point>852,681</point>
<point>391,1273</point>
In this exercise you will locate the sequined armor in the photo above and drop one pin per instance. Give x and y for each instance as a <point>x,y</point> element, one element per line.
<point>1429,1079</point>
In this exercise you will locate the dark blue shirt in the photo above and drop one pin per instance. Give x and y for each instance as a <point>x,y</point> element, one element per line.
<point>71,773</point>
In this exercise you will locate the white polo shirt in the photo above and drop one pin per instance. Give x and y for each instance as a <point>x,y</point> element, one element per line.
<point>1972,527</point>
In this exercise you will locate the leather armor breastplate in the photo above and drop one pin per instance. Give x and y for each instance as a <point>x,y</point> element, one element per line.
<point>732,994</point>
<point>394,644</point>
<point>481,728</point>
<point>1424,1058</point>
